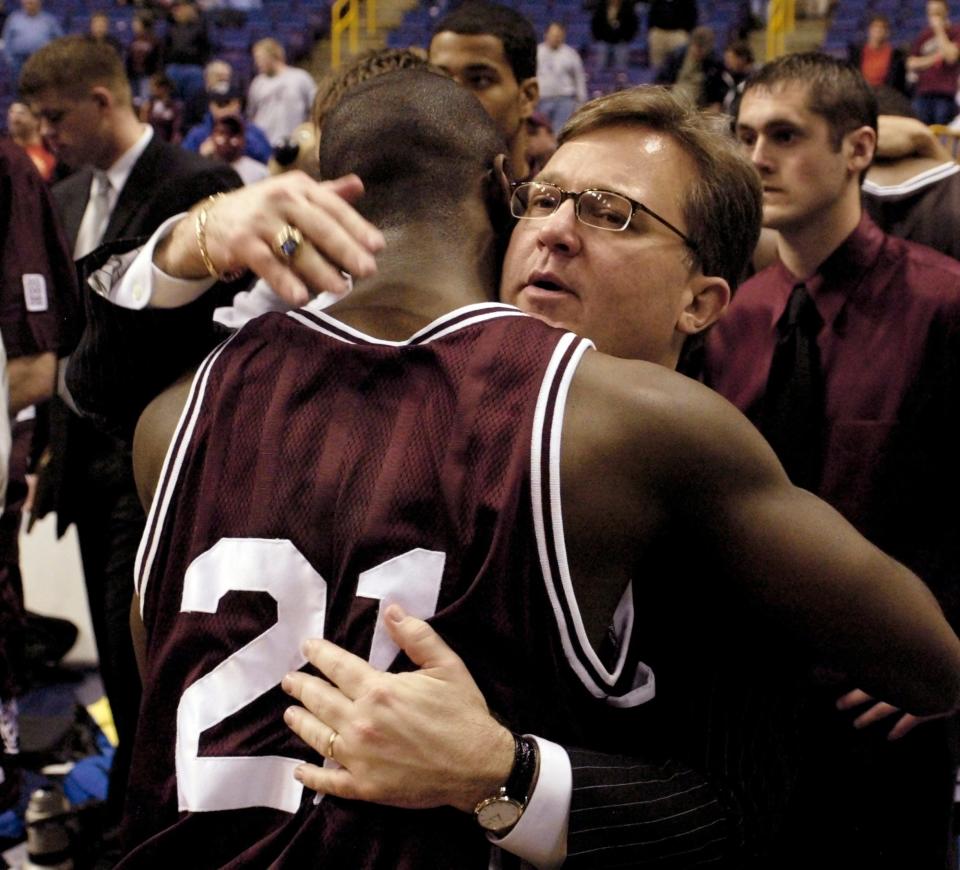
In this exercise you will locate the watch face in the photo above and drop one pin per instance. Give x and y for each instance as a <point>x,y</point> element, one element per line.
<point>499,813</point>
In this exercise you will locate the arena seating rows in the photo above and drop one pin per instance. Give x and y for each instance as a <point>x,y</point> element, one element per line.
<point>298,23</point>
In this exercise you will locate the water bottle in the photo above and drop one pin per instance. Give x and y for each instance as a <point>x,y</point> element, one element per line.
<point>48,838</point>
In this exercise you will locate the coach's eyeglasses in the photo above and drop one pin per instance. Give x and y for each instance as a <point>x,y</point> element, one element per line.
<point>603,209</point>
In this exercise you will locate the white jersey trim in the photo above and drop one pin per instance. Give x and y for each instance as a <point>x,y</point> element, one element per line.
<point>548,524</point>
<point>170,473</point>
<point>322,322</point>
<point>917,182</point>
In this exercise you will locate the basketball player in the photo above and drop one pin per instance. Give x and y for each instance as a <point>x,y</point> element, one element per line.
<point>404,446</point>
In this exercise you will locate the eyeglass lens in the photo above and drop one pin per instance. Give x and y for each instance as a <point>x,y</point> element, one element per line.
<point>597,208</point>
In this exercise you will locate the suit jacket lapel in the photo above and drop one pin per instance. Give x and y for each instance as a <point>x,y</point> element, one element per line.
<point>140,186</point>
<point>74,207</point>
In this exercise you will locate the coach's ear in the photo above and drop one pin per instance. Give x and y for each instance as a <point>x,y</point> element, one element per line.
<point>705,300</point>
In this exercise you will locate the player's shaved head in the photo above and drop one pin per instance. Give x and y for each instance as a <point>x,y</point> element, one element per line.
<point>419,142</point>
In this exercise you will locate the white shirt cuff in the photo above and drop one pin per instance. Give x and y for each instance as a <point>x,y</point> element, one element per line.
<point>135,282</point>
<point>540,837</point>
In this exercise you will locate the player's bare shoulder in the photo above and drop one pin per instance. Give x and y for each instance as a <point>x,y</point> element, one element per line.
<point>155,429</point>
<point>657,429</point>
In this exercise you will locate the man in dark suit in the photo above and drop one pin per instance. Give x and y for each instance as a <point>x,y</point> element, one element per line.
<point>128,181</point>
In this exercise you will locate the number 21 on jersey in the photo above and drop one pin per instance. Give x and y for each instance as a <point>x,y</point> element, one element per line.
<point>277,567</point>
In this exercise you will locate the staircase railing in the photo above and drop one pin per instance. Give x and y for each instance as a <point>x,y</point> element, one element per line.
<point>345,23</point>
<point>781,20</point>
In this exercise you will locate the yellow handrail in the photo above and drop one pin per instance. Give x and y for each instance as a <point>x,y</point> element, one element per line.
<point>782,20</point>
<point>345,16</point>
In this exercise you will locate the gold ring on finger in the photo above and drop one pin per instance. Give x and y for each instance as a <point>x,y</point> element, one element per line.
<point>287,244</point>
<point>333,739</point>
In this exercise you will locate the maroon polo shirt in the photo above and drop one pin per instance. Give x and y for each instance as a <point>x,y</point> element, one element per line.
<point>941,78</point>
<point>890,351</point>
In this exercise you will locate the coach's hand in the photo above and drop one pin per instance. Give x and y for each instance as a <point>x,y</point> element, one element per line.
<point>879,710</point>
<point>419,739</point>
<point>295,233</point>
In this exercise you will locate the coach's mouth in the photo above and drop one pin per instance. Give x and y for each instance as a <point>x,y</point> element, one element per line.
<point>546,283</point>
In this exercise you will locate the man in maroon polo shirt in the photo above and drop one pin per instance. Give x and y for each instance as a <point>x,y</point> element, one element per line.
<point>935,58</point>
<point>873,326</point>
<point>38,316</point>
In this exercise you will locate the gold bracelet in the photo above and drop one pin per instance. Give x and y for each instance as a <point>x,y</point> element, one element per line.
<point>200,230</point>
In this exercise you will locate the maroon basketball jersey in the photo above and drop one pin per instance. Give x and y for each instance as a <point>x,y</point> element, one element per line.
<point>39,304</point>
<point>317,475</point>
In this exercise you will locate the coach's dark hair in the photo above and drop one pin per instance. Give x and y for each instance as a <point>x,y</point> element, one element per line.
<point>836,90</point>
<point>515,31</point>
<point>420,142</point>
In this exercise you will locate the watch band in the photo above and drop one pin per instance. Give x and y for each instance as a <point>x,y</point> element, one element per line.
<point>525,758</point>
<point>499,813</point>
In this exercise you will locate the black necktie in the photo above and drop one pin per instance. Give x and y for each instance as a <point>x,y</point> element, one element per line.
<point>790,414</point>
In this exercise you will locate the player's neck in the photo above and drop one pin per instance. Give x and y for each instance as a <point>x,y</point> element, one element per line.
<point>421,275</point>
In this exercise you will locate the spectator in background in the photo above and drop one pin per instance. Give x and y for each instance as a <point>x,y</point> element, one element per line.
<point>737,65</point>
<point>614,25</point>
<point>299,151</point>
<point>163,111</point>
<point>695,71</point>
<point>882,64</point>
<point>228,145</point>
<point>670,23</point>
<point>144,55</point>
<point>25,30</point>
<point>217,77</point>
<point>751,16</point>
<point>24,129</point>
<point>280,96</point>
<point>100,33</point>
<point>225,102</point>
<point>541,142</point>
<point>934,58</point>
<point>563,83</point>
<point>186,48</point>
